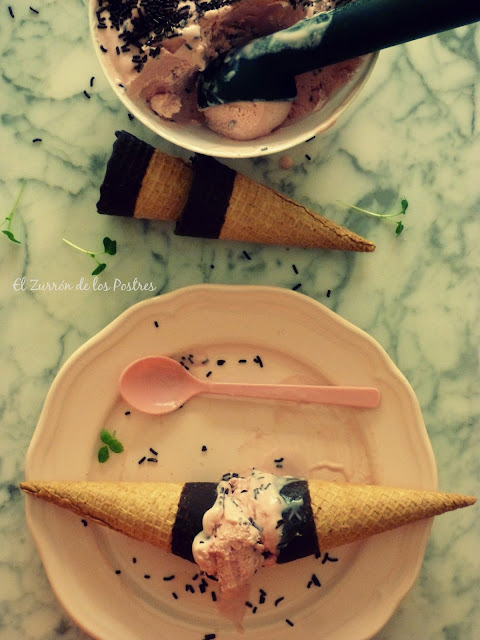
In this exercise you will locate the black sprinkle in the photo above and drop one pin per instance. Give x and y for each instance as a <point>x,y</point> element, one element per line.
<point>307,156</point>
<point>134,560</point>
<point>295,270</point>
<point>247,256</point>
<point>312,138</point>
<point>249,604</point>
<point>204,448</point>
<point>263,148</point>
<point>208,374</point>
<point>279,459</point>
<point>84,522</point>
<point>10,11</point>
<point>328,293</point>
<point>261,600</point>
<point>297,286</point>
<point>214,596</point>
<point>220,362</point>
<point>327,558</point>
<point>195,577</point>
<point>142,460</point>
<point>205,361</point>
<point>102,48</point>
<point>127,413</point>
<point>118,572</point>
<point>156,324</point>
<point>155,453</point>
<point>132,117</point>
<point>168,578</point>
<point>309,584</point>
<point>152,460</point>
<point>37,140</point>
<point>316,581</point>
<point>242,361</point>
<point>289,622</point>
<point>212,266</point>
<point>174,595</point>
<point>189,587</point>
<point>278,600</point>
<point>254,610</point>
<point>258,360</point>
<point>33,10</point>
<point>317,554</point>
<point>147,576</point>
<point>209,636</point>
<point>86,94</point>
<point>211,577</point>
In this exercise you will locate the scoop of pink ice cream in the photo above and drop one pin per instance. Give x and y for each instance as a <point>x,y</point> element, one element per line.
<point>246,120</point>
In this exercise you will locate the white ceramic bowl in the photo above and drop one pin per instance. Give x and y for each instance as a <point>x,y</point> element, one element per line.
<point>200,139</point>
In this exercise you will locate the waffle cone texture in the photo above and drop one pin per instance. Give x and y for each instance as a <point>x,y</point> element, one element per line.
<point>208,199</point>
<point>157,512</point>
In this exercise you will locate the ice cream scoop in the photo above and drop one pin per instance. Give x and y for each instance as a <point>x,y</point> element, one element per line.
<point>264,69</point>
<point>157,385</point>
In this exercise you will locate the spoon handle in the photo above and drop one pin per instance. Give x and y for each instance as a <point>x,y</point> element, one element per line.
<point>365,397</point>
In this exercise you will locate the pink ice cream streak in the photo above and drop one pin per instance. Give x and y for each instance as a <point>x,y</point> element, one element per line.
<point>252,524</point>
<point>155,51</point>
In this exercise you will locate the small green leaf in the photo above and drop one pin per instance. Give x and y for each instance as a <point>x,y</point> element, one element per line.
<point>105,436</point>
<point>399,228</point>
<point>99,269</point>
<point>103,454</point>
<point>110,246</point>
<point>115,445</point>
<point>10,236</point>
<point>404,205</point>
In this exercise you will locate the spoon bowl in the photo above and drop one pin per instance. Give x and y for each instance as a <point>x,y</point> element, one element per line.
<point>158,385</point>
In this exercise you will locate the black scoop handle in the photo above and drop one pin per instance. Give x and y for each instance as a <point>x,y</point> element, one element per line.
<point>355,29</point>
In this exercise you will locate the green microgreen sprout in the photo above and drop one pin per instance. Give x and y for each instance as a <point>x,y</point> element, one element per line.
<point>110,443</point>
<point>8,220</point>
<point>109,248</point>
<point>399,226</point>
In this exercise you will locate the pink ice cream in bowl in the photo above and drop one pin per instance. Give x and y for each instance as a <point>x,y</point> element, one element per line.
<point>242,78</point>
<point>152,54</point>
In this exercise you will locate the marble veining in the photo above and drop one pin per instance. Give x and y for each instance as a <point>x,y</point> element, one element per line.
<point>413,132</point>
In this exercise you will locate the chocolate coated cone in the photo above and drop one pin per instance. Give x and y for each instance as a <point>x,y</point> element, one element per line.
<point>342,513</point>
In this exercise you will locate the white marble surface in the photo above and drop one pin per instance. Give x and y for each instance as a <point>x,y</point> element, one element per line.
<point>414,132</point>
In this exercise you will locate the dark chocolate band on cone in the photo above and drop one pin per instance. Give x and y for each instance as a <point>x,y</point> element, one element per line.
<point>196,498</point>
<point>204,213</point>
<point>299,536</point>
<point>123,178</point>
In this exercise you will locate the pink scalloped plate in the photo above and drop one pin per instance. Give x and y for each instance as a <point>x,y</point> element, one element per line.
<point>115,587</point>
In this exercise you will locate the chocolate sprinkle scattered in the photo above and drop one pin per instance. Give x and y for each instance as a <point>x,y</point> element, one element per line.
<point>220,362</point>
<point>33,10</point>
<point>84,522</point>
<point>155,453</point>
<point>289,622</point>
<point>147,576</point>
<point>127,413</point>
<point>214,596</point>
<point>118,572</point>
<point>86,94</point>
<point>307,156</point>
<point>174,595</point>
<point>92,79</point>
<point>204,448</point>
<point>168,578</point>
<point>278,600</point>
<point>10,11</point>
<point>142,460</point>
<point>37,140</point>
<point>295,270</point>
<point>247,255</point>
<point>258,360</point>
<point>209,636</point>
<point>328,293</point>
<point>297,286</point>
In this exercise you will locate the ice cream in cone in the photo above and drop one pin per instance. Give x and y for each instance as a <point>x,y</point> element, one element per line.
<point>208,199</point>
<point>232,528</point>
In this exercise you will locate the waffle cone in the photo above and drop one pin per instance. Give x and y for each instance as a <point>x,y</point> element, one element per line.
<point>346,513</point>
<point>165,188</point>
<point>259,214</point>
<point>145,511</point>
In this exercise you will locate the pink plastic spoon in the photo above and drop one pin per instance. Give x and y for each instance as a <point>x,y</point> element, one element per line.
<point>159,385</point>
